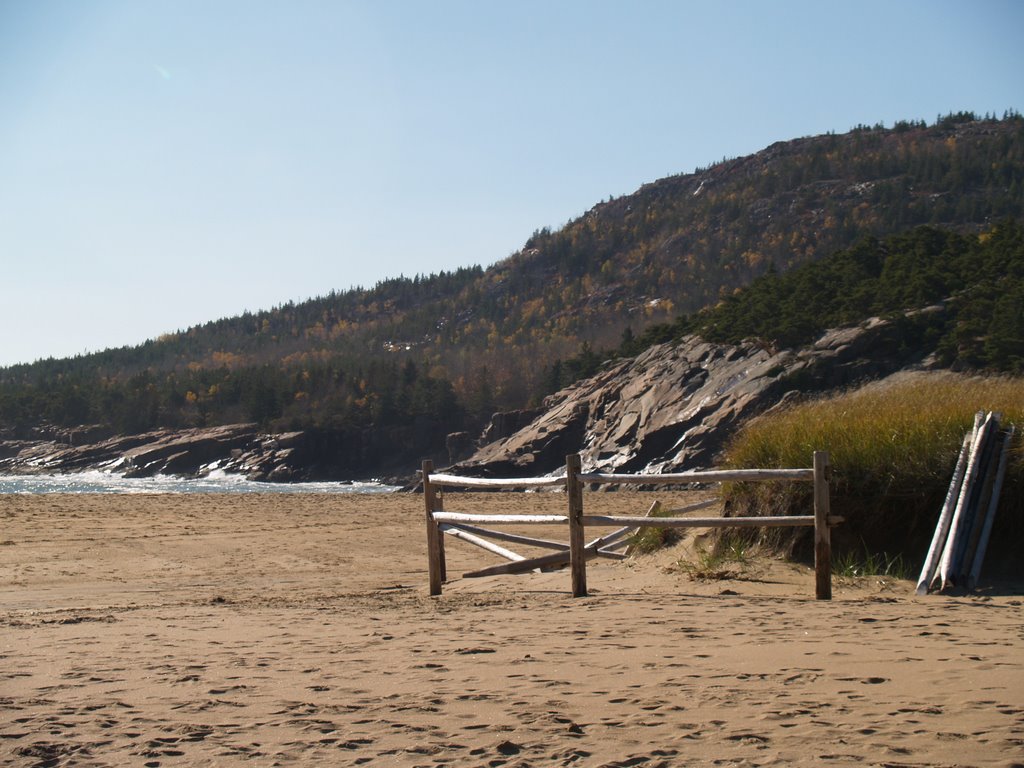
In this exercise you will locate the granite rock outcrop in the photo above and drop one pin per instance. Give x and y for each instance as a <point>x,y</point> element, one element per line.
<point>235,448</point>
<point>674,407</point>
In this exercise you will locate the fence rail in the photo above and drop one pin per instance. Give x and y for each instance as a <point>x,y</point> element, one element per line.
<point>497,483</point>
<point>577,551</point>
<point>792,521</point>
<point>705,476</point>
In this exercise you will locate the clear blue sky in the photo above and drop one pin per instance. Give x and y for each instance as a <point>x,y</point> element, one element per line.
<point>167,163</point>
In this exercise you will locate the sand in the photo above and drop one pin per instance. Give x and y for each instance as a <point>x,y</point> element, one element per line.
<point>297,630</point>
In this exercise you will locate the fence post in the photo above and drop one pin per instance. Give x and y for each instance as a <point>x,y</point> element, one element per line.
<point>822,538</point>
<point>435,555</point>
<point>577,555</point>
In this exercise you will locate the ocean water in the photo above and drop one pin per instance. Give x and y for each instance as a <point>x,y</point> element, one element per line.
<point>217,482</point>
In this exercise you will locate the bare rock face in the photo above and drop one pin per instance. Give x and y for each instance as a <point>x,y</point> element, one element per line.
<point>187,452</point>
<point>507,423</point>
<point>673,407</point>
<point>234,448</point>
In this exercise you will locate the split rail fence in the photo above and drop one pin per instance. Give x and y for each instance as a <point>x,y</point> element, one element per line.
<point>466,526</point>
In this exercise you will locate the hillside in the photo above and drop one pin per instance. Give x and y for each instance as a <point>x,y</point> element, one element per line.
<point>404,362</point>
<point>978,281</point>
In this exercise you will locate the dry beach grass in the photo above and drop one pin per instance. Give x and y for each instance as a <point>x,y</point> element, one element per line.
<point>294,629</point>
<point>893,446</point>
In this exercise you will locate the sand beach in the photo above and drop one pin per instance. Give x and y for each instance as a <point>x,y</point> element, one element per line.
<point>202,630</point>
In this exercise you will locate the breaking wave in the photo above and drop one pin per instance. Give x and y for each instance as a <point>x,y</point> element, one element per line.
<point>97,481</point>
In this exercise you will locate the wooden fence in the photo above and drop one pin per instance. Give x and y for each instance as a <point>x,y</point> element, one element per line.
<point>576,553</point>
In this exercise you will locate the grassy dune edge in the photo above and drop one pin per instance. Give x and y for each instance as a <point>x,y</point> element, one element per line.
<point>893,447</point>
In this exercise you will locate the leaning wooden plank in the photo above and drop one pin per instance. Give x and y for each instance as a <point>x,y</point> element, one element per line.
<point>700,476</point>
<point>497,482</point>
<point>514,538</point>
<point>508,554</point>
<point>963,499</point>
<point>702,522</point>
<point>608,538</point>
<point>946,564</point>
<point>621,539</point>
<point>607,542</point>
<point>460,517</point>
<point>979,504</point>
<point>522,566</point>
<point>615,538</point>
<point>931,561</point>
<point>986,531</point>
<point>949,562</point>
<point>605,546</point>
<point>601,544</point>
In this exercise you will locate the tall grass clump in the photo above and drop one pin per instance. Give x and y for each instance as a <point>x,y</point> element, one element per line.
<point>893,447</point>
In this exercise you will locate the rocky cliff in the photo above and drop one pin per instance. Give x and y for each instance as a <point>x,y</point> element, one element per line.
<point>674,407</point>
<point>236,448</point>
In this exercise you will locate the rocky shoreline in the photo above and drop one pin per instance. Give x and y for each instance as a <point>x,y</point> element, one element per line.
<point>670,409</point>
<point>235,449</point>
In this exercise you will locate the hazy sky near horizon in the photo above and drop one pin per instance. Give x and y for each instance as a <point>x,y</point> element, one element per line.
<point>163,164</point>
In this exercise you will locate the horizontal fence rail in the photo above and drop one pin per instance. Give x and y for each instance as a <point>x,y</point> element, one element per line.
<point>701,522</point>
<point>462,517</point>
<point>497,483</point>
<point>707,476</point>
<point>575,553</point>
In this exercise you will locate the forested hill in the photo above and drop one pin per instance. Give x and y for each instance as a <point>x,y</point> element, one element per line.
<point>965,294</point>
<point>451,348</point>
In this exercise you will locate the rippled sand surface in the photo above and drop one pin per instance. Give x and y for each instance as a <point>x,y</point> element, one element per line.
<point>278,630</point>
